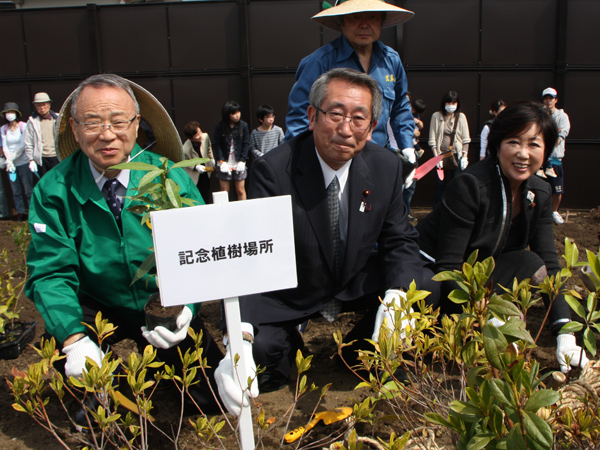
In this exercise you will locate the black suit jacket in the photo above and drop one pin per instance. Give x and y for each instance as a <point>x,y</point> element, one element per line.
<point>381,245</point>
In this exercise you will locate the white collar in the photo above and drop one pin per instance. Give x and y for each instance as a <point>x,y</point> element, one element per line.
<point>329,173</point>
<point>100,178</point>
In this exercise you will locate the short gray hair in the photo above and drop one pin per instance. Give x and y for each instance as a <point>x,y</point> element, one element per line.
<point>103,80</point>
<point>318,91</point>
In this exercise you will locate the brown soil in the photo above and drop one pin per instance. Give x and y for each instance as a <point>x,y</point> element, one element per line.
<point>155,308</point>
<point>19,432</point>
<point>159,315</point>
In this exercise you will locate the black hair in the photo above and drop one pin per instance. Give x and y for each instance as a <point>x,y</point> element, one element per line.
<point>229,108</point>
<point>516,118</point>
<point>418,105</point>
<point>495,106</point>
<point>263,111</point>
<point>450,97</point>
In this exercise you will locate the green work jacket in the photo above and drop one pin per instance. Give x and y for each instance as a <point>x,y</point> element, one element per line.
<point>77,247</point>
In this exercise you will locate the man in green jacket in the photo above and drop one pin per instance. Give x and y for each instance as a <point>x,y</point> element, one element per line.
<point>86,245</point>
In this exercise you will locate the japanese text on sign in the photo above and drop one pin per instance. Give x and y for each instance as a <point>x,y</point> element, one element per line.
<point>231,251</point>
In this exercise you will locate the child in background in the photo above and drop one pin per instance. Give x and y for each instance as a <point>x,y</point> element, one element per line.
<point>495,109</point>
<point>417,107</point>
<point>231,146</point>
<point>267,136</point>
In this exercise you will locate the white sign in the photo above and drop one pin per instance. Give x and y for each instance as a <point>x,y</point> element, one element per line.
<point>226,250</point>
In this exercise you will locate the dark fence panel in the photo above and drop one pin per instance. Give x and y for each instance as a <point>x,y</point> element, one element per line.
<point>281,34</point>
<point>518,33</point>
<point>14,56</point>
<point>442,33</point>
<point>133,39</point>
<point>57,42</point>
<point>194,56</point>
<point>204,37</point>
<point>584,33</point>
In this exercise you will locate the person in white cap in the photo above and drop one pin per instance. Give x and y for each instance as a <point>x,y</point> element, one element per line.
<point>39,136</point>
<point>358,47</point>
<point>554,167</point>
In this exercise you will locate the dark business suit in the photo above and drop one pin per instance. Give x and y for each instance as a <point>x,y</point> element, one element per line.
<point>381,245</point>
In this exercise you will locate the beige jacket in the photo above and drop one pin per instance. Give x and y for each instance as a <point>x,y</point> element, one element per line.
<point>206,152</point>
<point>436,132</point>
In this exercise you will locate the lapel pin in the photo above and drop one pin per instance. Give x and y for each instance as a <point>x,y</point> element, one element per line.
<point>363,204</point>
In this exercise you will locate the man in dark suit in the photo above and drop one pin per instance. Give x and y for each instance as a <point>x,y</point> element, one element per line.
<point>375,253</point>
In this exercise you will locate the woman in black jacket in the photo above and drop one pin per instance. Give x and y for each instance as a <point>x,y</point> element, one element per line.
<point>500,208</point>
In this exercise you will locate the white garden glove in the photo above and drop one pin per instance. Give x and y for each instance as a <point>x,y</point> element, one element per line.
<point>409,153</point>
<point>241,166</point>
<point>76,354</point>
<point>566,346</point>
<point>33,166</point>
<point>161,337</point>
<point>392,301</point>
<point>440,165</point>
<point>200,168</point>
<point>464,163</point>
<point>224,167</point>
<point>495,322</point>
<point>232,389</point>
<point>10,167</point>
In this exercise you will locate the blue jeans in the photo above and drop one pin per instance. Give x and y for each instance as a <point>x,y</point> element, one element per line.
<point>23,185</point>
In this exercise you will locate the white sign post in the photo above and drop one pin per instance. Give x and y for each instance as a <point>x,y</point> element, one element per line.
<point>222,251</point>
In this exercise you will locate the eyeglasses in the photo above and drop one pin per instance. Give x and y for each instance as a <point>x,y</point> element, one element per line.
<point>359,123</point>
<point>95,128</point>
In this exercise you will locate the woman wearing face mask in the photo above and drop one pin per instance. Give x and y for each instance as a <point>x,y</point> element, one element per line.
<point>17,162</point>
<point>449,132</point>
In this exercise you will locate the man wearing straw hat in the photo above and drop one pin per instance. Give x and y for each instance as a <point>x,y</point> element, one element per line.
<point>360,22</point>
<point>85,243</point>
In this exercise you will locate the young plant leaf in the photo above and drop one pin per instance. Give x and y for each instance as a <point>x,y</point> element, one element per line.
<point>494,344</point>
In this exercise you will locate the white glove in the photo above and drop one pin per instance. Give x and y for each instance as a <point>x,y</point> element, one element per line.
<point>224,167</point>
<point>440,165</point>
<point>200,168</point>
<point>464,163</point>
<point>392,301</point>
<point>494,321</point>
<point>566,346</point>
<point>241,166</point>
<point>76,354</point>
<point>409,153</point>
<point>10,167</point>
<point>161,337</point>
<point>32,166</point>
<point>232,390</point>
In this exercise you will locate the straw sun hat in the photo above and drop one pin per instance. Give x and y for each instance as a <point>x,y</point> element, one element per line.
<point>152,112</point>
<point>394,15</point>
